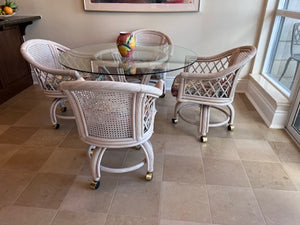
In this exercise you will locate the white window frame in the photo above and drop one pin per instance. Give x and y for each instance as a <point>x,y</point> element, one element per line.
<point>280,12</point>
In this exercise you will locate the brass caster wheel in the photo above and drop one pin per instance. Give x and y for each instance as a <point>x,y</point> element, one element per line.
<point>230,127</point>
<point>56,126</point>
<point>163,95</point>
<point>138,147</point>
<point>95,185</point>
<point>174,121</point>
<point>63,109</point>
<point>149,176</point>
<point>91,152</point>
<point>203,139</point>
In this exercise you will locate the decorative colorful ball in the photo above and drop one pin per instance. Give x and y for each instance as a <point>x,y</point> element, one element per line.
<point>126,44</point>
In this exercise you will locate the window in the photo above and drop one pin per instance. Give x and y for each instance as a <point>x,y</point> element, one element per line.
<point>283,57</point>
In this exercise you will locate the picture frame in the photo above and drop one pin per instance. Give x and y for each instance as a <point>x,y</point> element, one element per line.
<point>142,5</point>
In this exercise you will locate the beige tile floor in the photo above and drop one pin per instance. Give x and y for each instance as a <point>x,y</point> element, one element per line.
<point>250,176</point>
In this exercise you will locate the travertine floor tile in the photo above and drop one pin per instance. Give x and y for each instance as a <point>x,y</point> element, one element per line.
<point>64,160</point>
<point>177,222</point>
<point>8,117</point>
<point>220,148</point>
<point>225,172</point>
<point>268,175</point>
<point>72,140</point>
<point>130,220</point>
<point>247,131</point>
<point>279,207</point>
<point>47,137</point>
<point>79,218</point>
<point>186,202</point>
<point>183,169</point>
<point>12,185</point>
<point>182,145</point>
<point>16,215</point>
<point>3,128</point>
<point>45,173</point>
<point>29,159</point>
<point>17,135</point>
<point>46,190</point>
<point>81,198</point>
<point>234,206</point>
<point>256,150</point>
<point>287,152</point>
<point>136,198</point>
<point>293,170</point>
<point>7,151</point>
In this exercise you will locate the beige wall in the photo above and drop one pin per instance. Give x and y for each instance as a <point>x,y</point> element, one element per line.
<point>220,25</point>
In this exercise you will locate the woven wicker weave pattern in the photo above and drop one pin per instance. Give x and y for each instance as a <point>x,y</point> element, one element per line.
<point>107,114</point>
<point>111,114</point>
<point>210,82</point>
<point>217,84</point>
<point>42,55</point>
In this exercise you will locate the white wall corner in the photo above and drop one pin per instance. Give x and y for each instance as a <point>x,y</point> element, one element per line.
<point>273,110</point>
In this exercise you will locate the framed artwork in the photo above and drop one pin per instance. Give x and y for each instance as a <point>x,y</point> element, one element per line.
<point>142,5</point>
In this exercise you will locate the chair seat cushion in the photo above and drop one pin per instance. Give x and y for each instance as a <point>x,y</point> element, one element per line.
<point>175,86</point>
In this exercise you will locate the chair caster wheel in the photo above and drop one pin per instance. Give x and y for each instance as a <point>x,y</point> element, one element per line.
<point>138,147</point>
<point>163,95</point>
<point>149,176</point>
<point>203,139</point>
<point>95,185</point>
<point>56,126</point>
<point>230,127</point>
<point>174,121</point>
<point>63,109</point>
<point>91,151</point>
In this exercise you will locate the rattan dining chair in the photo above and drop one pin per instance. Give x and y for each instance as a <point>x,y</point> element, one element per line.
<point>42,55</point>
<point>210,82</point>
<point>111,114</point>
<point>148,37</point>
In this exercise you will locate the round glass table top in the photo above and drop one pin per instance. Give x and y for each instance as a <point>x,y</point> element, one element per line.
<point>105,59</point>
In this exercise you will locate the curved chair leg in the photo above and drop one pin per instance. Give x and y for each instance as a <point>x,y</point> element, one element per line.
<point>175,115</point>
<point>285,68</point>
<point>204,122</point>
<point>95,164</point>
<point>53,108</point>
<point>148,149</point>
<point>231,118</point>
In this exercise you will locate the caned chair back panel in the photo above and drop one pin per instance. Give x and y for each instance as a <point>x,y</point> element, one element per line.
<point>151,37</point>
<point>148,37</point>
<point>43,56</point>
<point>214,79</point>
<point>110,113</point>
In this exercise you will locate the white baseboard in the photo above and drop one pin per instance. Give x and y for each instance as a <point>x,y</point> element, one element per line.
<point>271,105</point>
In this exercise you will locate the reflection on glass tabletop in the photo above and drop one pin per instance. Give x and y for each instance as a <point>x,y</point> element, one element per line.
<point>106,59</point>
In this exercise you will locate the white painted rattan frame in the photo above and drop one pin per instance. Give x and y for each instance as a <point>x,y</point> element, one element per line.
<point>211,82</point>
<point>149,37</point>
<point>42,55</point>
<point>98,119</point>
